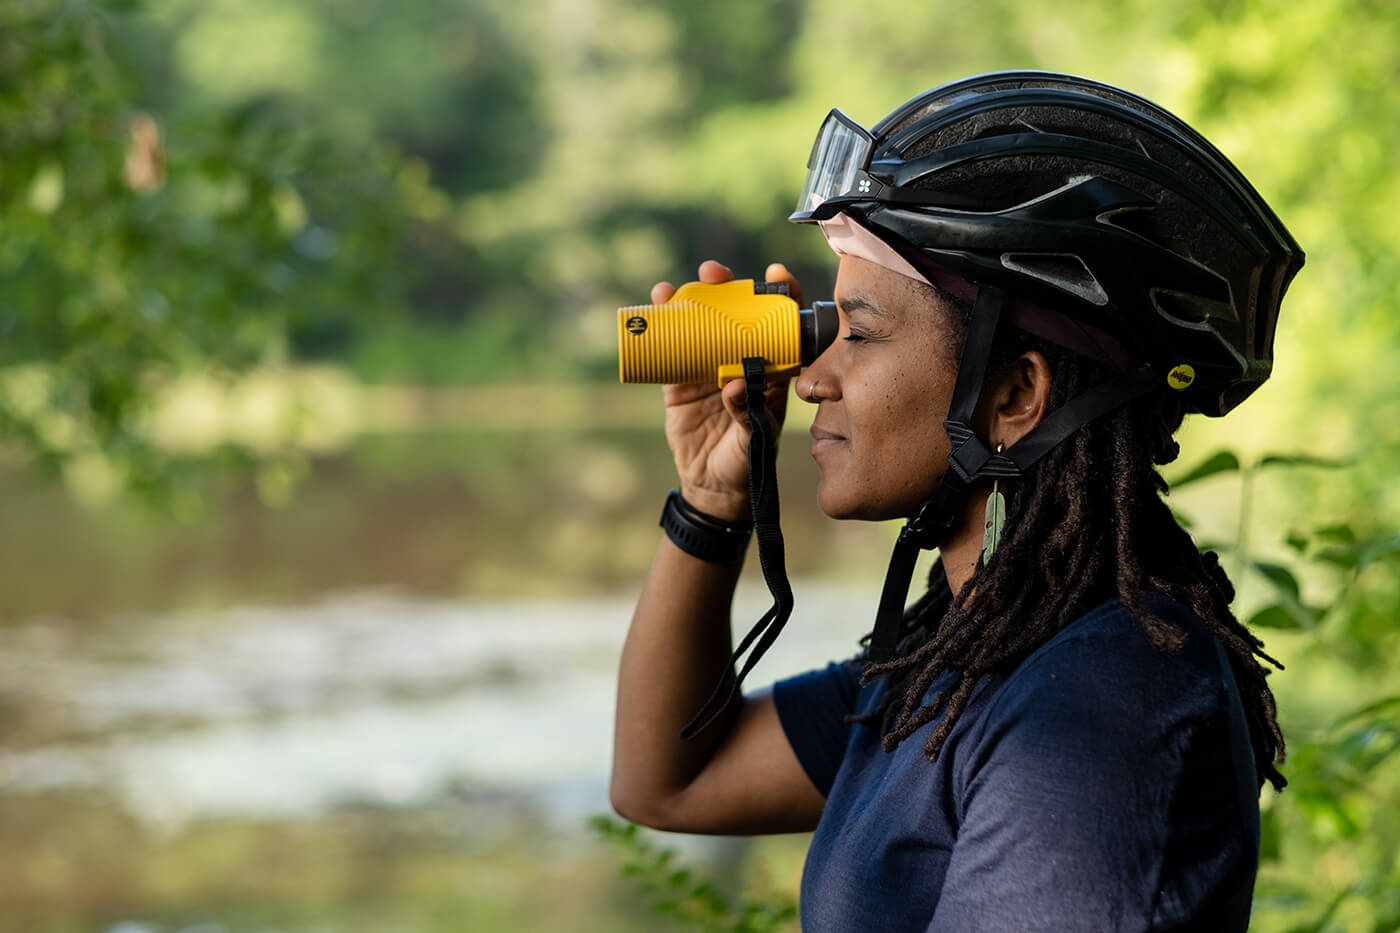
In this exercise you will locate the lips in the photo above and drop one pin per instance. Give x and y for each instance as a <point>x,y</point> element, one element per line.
<point>822,439</point>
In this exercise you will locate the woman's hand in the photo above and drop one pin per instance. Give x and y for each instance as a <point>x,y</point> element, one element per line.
<point>708,428</point>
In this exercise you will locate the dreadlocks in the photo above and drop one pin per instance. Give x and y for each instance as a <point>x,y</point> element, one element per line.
<point>1084,523</point>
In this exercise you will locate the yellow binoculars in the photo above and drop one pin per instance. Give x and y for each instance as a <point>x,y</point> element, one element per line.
<point>706,331</point>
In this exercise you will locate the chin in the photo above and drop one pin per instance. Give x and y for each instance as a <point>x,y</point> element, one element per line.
<point>858,502</point>
<point>849,508</point>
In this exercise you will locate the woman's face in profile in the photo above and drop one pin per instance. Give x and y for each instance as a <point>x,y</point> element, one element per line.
<point>883,389</point>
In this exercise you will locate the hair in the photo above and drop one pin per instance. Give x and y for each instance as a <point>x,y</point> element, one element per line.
<point>1085,523</point>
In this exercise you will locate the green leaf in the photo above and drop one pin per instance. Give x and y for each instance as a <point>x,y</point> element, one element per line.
<point>1367,748</point>
<point>1370,709</point>
<point>1360,555</point>
<point>1341,532</point>
<point>1290,600</point>
<point>1379,549</point>
<point>1274,616</point>
<point>1302,460</point>
<point>1281,577</point>
<point>1221,462</point>
<point>1297,541</point>
<point>1344,557</point>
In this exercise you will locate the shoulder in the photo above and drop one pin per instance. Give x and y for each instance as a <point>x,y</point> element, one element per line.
<point>1099,693</point>
<point>1106,655</point>
<point>1107,778</point>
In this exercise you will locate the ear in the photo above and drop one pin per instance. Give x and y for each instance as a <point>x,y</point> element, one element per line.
<point>1015,399</point>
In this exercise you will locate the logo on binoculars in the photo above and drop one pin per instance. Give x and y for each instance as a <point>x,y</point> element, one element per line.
<point>636,324</point>
<point>1181,376</point>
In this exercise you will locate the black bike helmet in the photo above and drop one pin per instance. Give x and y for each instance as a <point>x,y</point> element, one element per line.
<point>1081,197</point>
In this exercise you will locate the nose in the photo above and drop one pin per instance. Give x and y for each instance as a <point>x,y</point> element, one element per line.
<point>818,382</point>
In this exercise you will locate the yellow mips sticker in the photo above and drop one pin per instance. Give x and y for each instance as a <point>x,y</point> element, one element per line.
<point>1181,376</point>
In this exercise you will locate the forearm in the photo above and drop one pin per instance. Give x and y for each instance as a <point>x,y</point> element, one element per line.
<point>676,650</point>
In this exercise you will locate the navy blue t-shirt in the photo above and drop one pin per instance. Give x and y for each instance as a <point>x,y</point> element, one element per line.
<point>1102,785</point>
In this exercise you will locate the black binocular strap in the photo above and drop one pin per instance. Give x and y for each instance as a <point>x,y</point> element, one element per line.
<point>763,496</point>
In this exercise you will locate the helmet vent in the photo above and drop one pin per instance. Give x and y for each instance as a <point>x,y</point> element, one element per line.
<point>1064,271</point>
<point>1188,310</point>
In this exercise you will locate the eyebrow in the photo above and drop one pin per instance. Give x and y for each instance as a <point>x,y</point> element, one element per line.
<point>852,303</point>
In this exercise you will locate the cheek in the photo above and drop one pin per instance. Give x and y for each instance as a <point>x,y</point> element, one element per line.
<point>911,399</point>
<point>903,431</point>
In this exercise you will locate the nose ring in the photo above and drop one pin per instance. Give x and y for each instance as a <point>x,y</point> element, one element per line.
<point>812,391</point>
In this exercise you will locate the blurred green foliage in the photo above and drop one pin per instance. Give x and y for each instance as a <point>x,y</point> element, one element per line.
<point>463,192</point>
<point>1330,851</point>
<point>143,234</point>
<point>430,192</point>
<point>686,898</point>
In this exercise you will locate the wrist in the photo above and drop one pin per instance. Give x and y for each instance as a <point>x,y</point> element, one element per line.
<point>732,507</point>
<point>702,535</point>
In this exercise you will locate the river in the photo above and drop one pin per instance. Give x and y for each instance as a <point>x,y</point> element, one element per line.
<point>394,683</point>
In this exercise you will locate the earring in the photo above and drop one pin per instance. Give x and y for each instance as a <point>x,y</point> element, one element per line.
<point>994,520</point>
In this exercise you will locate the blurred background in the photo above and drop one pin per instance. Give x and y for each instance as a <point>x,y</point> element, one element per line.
<point>322,512</point>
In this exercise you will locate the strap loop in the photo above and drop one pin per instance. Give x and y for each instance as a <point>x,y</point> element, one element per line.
<point>763,494</point>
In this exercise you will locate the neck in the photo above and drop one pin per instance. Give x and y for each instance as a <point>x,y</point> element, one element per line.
<point>964,548</point>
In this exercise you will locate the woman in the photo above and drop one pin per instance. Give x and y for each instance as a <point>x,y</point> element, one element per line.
<point>1039,276</point>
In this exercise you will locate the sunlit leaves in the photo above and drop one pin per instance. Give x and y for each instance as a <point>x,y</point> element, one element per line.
<point>137,243</point>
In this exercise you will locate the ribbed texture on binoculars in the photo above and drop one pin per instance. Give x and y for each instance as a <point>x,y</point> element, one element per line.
<point>688,340</point>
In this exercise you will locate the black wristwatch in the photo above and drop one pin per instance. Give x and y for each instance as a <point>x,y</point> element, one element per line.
<point>702,535</point>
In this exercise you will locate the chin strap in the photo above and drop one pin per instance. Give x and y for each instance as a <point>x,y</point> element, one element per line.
<point>969,460</point>
<point>763,496</point>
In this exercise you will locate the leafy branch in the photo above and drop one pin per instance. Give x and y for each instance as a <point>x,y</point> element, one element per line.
<point>676,891</point>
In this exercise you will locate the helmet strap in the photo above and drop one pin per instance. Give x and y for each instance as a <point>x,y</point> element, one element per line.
<point>969,459</point>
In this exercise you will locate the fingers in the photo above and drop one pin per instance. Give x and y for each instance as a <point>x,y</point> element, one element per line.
<point>714,272</point>
<point>775,398</point>
<point>777,272</point>
<point>733,397</point>
<point>711,272</point>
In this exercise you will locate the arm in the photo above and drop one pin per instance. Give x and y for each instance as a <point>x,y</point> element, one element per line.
<point>740,775</point>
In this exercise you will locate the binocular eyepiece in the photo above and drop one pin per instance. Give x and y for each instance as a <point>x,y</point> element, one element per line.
<point>706,331</point>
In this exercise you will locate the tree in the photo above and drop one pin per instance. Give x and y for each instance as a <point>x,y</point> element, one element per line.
<point>141,237</point>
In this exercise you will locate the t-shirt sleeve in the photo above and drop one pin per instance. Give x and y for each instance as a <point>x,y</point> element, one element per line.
<point>812,708</point>
<point>1105,791</point>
